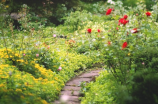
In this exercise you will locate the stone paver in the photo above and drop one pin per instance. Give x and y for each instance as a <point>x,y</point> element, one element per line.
<point>88,75</point>
<point>76,81</point>
<point>71,92</point>
<point>71,88</point>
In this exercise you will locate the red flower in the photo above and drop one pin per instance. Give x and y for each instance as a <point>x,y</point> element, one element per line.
<point>108,11</point>
<point>135,30</point>
<point>125,17</point>
<point>123,21</point>
<point>109,43</point>
<point>98,30</point>
<point>89,30</point>
<point>148,13</point>
<point>117,28</point>
<point>124,45</point>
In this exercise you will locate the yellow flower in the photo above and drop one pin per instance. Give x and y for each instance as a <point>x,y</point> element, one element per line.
<point>4,90</point>
<point>18,90</point>
<point>2,85</point>
<point>7,6</point>
<point>5,77</point>
<point>30,94</point>
<point>129,54</point>
<point>54,66</point>
<point>22,97</point>
<point>56,78</point>
<point>44,102</point>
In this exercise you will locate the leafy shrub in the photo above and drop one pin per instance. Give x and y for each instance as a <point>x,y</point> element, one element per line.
<point>133,3</point>
<point>76,19</point>
<point>20,87</point>
<point>52,10</point>
<point>147,58</point>
<point>101,91</point>
<point>143,89</point>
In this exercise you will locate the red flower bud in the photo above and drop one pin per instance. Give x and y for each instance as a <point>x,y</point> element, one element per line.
<point>108,11</point>
<point>125,17</point>
<point>124,45</point>
<point>148,13</point>
<point>89,30</point>
<point>109,43</point>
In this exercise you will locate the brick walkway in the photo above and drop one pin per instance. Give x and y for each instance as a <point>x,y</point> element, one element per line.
<point>70,93</point>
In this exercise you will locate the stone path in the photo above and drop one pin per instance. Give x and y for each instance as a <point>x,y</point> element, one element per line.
<point>71,91</point>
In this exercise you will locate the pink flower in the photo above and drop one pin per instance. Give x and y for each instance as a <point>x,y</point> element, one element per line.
<point>143,63</point>
<point>148,13</point>
<point>37,55</point>
<point>108,11</point>
<point>24,54</point>
<point>48,47</point>
<point>54,35</point>
<point>117,28</point>
<point>125,17</point>
<point>59,69</point>
<point>89,30</point>
<point>98,30</point>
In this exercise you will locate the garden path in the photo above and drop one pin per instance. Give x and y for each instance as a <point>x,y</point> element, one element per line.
<point>71,92</point>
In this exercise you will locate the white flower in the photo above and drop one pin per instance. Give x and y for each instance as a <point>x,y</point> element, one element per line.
<point>93,40</point>
<point>111,2</point>
<point>64,98</point>
<point>103,37</point>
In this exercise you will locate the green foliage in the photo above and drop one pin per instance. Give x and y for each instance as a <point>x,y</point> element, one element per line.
<point>101,91</point>
<point>93,7</point>
<point>147,58</point>
<point>52,10</point>
<point>143,89</point>
<point>133,3</point>
<point>77,19</point>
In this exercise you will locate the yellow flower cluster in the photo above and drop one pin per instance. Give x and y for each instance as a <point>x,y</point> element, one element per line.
<point>24,81</point>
